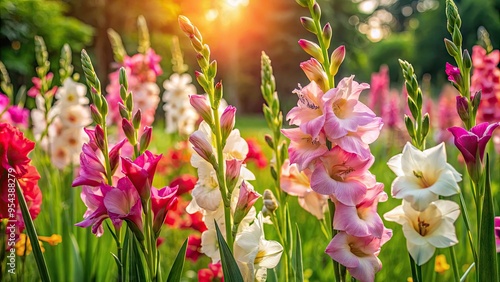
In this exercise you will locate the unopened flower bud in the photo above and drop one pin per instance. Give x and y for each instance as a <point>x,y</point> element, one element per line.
<point>197,45</point>
<point>409,126</point>
<point>218,93</point>
<point>476,100</point>
<point>451,47</point>
<point>99,137</point>
<point>308,24</point>
<point>96,116</point>
<point>463,108</point>
<point>123,78</point>
<point>457,37</point>
<point>136,120</point>
<point>246,200</point>
<point>145,139</point>
<point>336,60</point>
<point>202,106</point>
<point>201,78</point>
<point>453,74</point>
<point>123,93</point>
<point>425,125</point>
<point>202,62</point>
<point>452,16</point>
<point>202,147</point>
<point>129,131</point>
<point>314,72</point>
<point>302,3</point>
<point>123,111</point>
<point>227,120</point>
<point>327,34</point>
<point>270,203</point>
<point>312,49</point>
<point>316,11</point>
<point>269,140</point>
<point>104,107</point>
<point>466,59</point>
<point>186,25</point>
<point>212,69</point>
<point>233,169</point>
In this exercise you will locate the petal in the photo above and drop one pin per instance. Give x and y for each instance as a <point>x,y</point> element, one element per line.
<point>446,185</point>
<point>273,252</point>
<point>394,164</point>
<point>420,253</point>
<point>339,250</point>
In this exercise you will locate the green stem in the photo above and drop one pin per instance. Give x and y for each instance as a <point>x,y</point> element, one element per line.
<point>120,255</point>
<point>463,209</point>
<point>150,243</point>
<point>284,243</point>
<point>107,164</point>
<point>413,269</point>
<point>454,264</point>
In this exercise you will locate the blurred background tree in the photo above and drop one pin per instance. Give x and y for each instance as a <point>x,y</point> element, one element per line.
<point>375,32</point>
<point>21,20</point>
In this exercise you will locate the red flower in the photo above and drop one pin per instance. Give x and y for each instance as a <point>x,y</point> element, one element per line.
<point>211,274</point>
<point>255,154</point>
<point>185,183</point>
<point>193,248</point>
<point>15,164</point>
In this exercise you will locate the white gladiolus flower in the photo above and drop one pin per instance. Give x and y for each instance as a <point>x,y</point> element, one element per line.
<point>180,116</point>
<point>75,116</point>
<point>60,154</point>
<point>206,191</point>
<point>146,97</point>
<point>71,93</point>
<point>423,176</point>
<point>428,229</point>
<point>254,254</point>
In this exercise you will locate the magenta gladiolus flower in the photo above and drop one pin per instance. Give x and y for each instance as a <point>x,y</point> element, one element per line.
<point>344,175</point>
<point>308,114</point>
<point>358,254</point>
<point>361,220</point>
<point>453,73</point>
<point>304,149</point>
<point>161,201</point>
<point>473,143</point>
<point>497,233</point>
<point>141,172</point>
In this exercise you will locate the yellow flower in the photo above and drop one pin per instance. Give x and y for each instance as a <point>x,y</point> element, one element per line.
<point>23,245</point>
<point>409,279</point>
<point>441,265</point>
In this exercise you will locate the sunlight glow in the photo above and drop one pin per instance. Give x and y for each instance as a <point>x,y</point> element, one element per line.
<point>236,3</point>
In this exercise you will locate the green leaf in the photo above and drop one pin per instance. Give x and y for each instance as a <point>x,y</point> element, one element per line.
<point>487,266</point>
<point>229,266</point>
<point>30,229</point>
<point>178,265</point>
<point>297,256</point>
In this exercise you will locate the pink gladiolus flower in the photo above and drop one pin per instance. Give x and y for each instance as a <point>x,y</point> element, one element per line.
<point>497,233</point>
<point>123,203</point>
<point>379,90</point>
<point>357,142</point>
<point>161,202</point>
<point>358,254</point>
<point>361,220</point>
<point>344,175</point>
<point>202,146</point>
<point>453,73</point>
<point>19,116</point>
<point>141,172</point>
<point>344,113</point>
<point>308,114</point>
<point>447,114</point>
<point>96,213</point>
<point>297,183</point>
<point>486,78</point>
<point>473,143</point>
<point>211,274</point>
<point>304,149</point>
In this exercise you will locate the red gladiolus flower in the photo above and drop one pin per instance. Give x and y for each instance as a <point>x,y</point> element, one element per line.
<point>15,165</point>
<point>185,183</point>
<point>193,248</point>
<point>211,274</point>
<point>255,154</point>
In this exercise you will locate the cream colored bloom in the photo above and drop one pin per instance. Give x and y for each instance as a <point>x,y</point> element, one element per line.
<point>71,93</point>
<point>254,254</point>
<point>428,229</point>
<point>423,176</point>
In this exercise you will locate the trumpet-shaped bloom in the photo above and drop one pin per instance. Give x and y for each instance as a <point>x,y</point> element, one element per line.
<point>93,198</point>
<point>473,143</point>
<point>297,183</point>
<point>358,254</point>
<point>428,229</point>
<point>361,220</point>
<point>453,73</point>
<point>314,72</point>
<point>344,175</point>
<point>162,200</point>
<point>254,254</point>
<point>141,172</point>
<point>357,141</point>
<point>423,176</point>
<point>308,114</point>
<point>123,203</point>
<point>304,149</point>
<point>71,93</point>
<point>344,112</point>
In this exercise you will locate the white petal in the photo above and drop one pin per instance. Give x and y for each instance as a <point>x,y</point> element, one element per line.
<point>395,165</point>
<point>273,251</point>
<point>446,185</point>
<point>420,253</point>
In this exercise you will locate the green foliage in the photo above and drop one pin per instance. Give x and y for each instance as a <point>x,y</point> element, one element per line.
<point>22,20</point>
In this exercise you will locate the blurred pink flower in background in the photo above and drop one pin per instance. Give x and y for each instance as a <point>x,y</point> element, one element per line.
<point>486,77</point>
<point>446,114</point>
<point>379,90</point>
